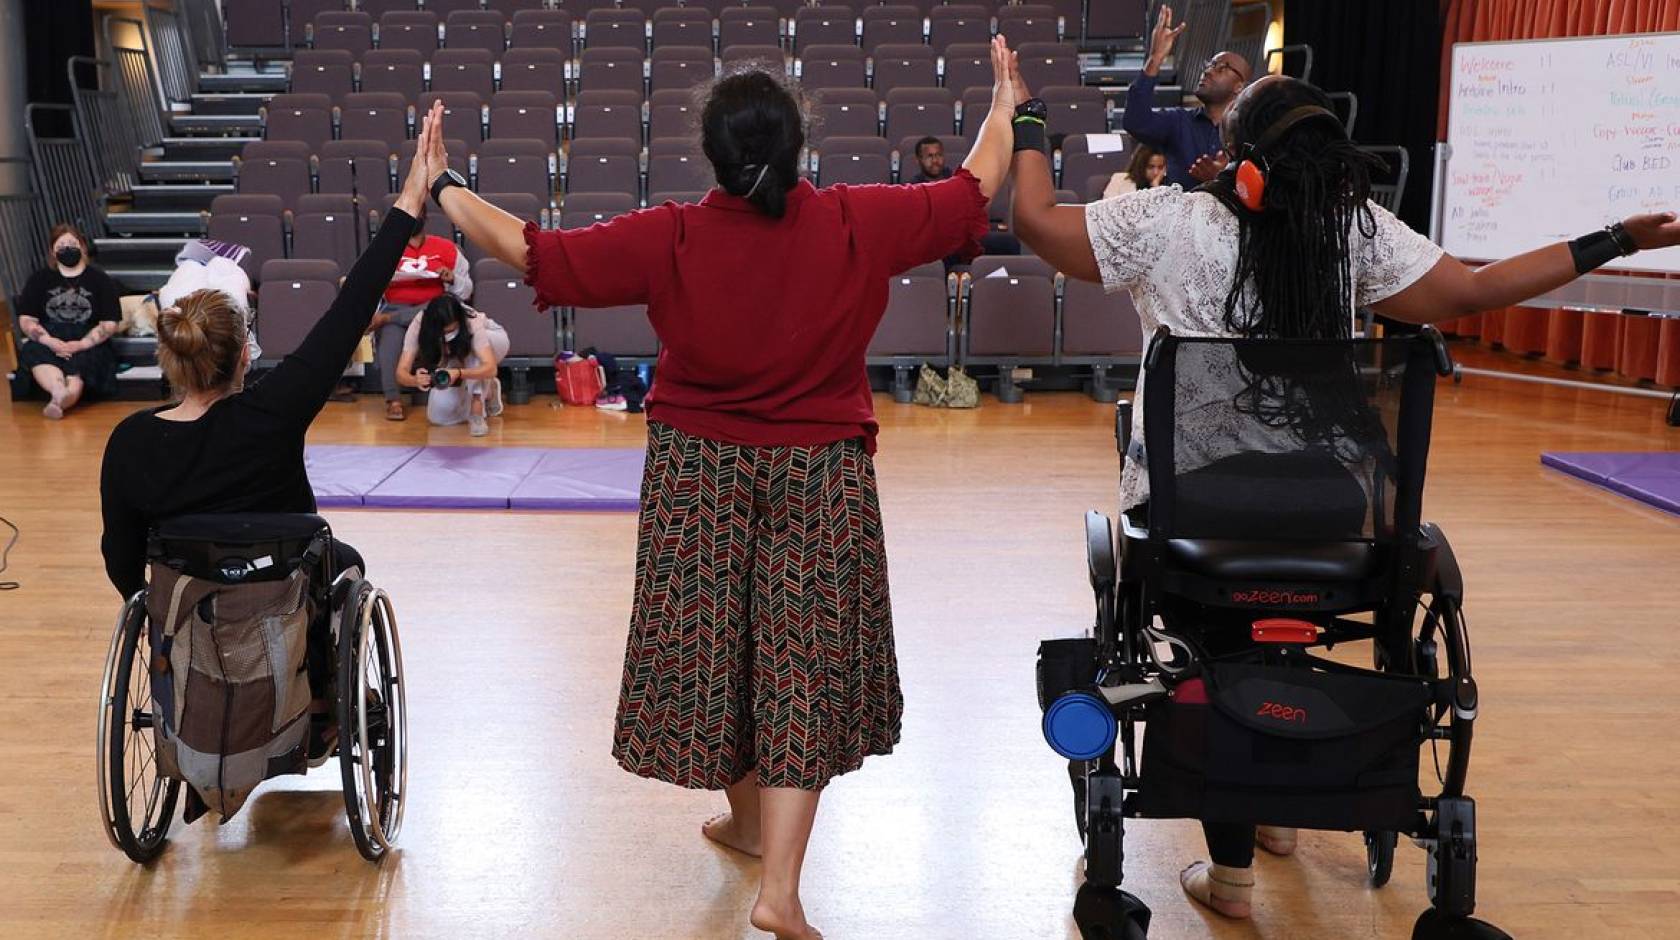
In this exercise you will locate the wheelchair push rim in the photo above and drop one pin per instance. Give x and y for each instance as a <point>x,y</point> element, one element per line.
<point>130,784</point>
<point>373,738</point>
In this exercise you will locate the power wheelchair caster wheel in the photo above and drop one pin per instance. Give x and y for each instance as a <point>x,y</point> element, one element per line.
<point>1109,914</point>
<point>1434,925</point>
<point>1379,856</point>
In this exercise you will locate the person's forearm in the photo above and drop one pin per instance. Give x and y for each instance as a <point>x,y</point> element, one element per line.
<point>500,233</point>
<point>1519,278</point>
<point>1035,194</point>
<point>989,160</point>
<point>1140,119</point>
<point>102,331</point>
<point>484,370</point>
<point>32,329</point>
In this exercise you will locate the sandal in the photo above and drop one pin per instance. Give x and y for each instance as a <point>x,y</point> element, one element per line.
<point>394,411</point>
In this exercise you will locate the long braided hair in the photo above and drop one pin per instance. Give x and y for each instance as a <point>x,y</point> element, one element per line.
<point>1293,277</point>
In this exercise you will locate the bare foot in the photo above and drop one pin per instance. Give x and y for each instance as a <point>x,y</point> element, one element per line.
<point>1226,891</point>
<point>774,919</point>
<point>723,830</point>
<point>1277,840</point>
<point>53,410</point>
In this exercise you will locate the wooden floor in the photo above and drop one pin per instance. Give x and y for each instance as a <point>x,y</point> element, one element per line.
<point>513,627</point>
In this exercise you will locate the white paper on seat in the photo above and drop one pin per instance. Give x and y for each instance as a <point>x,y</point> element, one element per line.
<point>1105,143</point>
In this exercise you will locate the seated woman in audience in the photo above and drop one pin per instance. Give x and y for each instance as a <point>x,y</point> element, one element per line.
<point>224,447</point>
<point>760,481</point>
<point>450,336</point>
<point>67,313</point>
<point>1147,170</point>
<point>1298,265</point>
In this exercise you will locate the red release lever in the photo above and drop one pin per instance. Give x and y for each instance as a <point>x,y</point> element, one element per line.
<point>1283,630</point>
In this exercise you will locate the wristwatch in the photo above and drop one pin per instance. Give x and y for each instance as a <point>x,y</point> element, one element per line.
<point>443,181</point>
<point>1033,109</point>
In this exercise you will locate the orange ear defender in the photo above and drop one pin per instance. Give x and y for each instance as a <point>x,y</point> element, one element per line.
<point>1252,170</point>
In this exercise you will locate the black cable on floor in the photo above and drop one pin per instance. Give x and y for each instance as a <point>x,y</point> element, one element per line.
<point>8,585</point>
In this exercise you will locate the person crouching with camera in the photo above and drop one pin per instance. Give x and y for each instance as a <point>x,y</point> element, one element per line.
<point>452,352</point>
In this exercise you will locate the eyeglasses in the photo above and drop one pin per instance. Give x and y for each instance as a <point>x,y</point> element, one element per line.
<point>1214,65</point>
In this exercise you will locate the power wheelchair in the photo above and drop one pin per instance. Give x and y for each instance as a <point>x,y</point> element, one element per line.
<point>1283,517</point>
<point>213,669</point>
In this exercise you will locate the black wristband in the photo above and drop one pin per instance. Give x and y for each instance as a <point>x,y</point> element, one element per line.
<point>1030,134</point>
<point>1597,249</point>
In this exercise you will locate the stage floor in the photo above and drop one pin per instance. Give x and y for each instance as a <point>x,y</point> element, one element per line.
<point>513,626</point>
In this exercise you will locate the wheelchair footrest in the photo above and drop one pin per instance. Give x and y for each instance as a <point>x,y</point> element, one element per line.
<point>1133,693</point>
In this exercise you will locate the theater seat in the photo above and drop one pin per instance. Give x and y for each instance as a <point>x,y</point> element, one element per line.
<point>1226,560</point>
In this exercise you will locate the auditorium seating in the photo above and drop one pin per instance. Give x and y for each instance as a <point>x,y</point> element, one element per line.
<point>575,114</point>
<point>326,227</point>
<point>291,297</point>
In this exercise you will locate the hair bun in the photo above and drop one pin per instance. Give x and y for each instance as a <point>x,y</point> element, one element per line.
<point>183,331</point>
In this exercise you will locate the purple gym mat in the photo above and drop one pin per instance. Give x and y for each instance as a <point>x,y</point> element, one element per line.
<point>341,474</point>
<point>1651,478</point>
<point>456,478</point>
<point>582,479</point>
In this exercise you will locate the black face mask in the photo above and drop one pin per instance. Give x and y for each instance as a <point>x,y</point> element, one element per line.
<point>69,256</point>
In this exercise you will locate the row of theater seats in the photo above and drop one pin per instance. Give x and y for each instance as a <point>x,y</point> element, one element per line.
<point>314,119</point>
<point>614,28</point>
<point>669,168</point>
<point>336,73</point>
<point>1007,311</point>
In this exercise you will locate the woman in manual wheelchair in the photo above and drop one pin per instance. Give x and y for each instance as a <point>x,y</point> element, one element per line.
<point>250,644</point>
<point>1271,497</point>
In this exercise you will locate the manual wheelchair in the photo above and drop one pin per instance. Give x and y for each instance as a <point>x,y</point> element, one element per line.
<point>213,670</point>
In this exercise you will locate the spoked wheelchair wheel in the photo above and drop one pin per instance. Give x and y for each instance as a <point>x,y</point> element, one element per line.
<point>136,802</point>
<point>372,720</point>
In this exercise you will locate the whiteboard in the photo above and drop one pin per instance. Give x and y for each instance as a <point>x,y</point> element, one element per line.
<point>1551,139</point>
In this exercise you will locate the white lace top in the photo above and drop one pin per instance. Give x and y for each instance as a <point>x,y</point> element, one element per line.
<point>1176,252</point>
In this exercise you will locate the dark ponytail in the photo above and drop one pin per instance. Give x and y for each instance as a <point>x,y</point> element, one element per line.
<point>752,130</point>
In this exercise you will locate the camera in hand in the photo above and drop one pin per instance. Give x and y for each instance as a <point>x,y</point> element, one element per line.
<point>442,378</point>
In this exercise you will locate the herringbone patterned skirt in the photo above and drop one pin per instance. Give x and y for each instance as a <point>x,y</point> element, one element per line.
<point>761,637</point>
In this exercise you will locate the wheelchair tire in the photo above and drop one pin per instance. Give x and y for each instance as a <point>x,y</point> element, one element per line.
<point>127,756</point>
<point>372,720</point>
<point>1379,856</point>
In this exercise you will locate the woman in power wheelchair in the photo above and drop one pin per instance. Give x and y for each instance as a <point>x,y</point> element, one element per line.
<point>1271,506</point>
<point>250,644</point>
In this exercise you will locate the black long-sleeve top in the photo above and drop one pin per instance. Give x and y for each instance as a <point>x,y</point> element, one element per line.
<point>245,454</point>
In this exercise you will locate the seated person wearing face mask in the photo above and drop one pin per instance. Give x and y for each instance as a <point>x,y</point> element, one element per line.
<point>66,314</point>
<point>430,267</point>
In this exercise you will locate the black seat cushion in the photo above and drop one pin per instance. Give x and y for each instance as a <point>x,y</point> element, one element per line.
<point>1230,560</point>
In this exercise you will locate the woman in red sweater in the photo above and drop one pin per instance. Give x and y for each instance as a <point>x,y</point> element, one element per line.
<point>760,659</point>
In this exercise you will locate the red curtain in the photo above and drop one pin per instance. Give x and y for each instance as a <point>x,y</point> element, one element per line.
<point>1635,347</point>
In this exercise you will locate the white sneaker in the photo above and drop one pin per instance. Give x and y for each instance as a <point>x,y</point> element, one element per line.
<point>493,403</point>
<point>477,425</point>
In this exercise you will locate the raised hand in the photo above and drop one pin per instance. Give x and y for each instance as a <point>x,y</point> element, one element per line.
<point>1654,230</point>
<point>436,156</point>
<point>1005,93</point>
<point>1209,165</point>
<point>1162,39</point>
<point>416,187</point>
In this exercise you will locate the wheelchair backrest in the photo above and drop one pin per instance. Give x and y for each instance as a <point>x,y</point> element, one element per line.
<point>1288,440</point>
<point>230,602</point>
